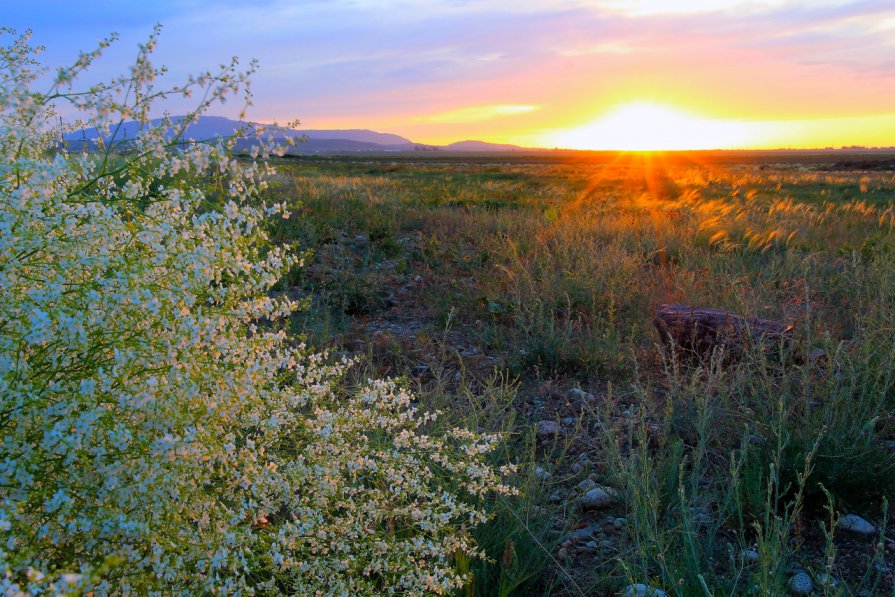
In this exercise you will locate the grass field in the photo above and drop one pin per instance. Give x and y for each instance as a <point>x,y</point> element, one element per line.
<point>516,293</point>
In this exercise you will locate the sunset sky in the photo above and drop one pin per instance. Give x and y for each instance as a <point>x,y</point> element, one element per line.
<point>574,73</point>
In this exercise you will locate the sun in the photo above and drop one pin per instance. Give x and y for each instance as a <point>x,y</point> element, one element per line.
<point>644,126</point>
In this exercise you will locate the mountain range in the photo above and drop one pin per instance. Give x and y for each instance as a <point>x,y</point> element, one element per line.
<point>314,141</point>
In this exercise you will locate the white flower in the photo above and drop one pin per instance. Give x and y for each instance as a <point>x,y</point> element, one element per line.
<point>157,428</point>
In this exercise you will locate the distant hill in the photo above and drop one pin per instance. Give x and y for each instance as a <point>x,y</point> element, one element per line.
<point>480,146</point>
<point>362,135</point>
<point>316,140</point>
<point>208,127</point>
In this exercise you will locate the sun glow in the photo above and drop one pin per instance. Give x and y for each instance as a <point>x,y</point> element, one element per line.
<point>645,127</point>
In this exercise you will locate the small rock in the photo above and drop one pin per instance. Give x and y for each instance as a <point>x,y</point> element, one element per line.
<point>541,473</point>
<point>701,515</point>
<point>817,354</point>
<point>825,579</point>
<point>855,524</point>
<point>582,465</point>
<point>554,498</point>
<point>620,523</point>
<point>569,421</point>
<point>582,534</point>
<point>417,278</point>
<point>800,584</point>
<point>586,485</point>
<point>597,498</point>
<point>547,430</point>
<point>749,555</point>
<point>641,590</point>
<point>562,555</point>
<point>579,394</point>
<point>591,546</point>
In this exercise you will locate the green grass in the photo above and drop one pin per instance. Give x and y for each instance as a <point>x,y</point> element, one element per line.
<point>495,284</point>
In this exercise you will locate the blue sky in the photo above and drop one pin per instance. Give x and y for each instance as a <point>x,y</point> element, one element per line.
<point>505,70</point>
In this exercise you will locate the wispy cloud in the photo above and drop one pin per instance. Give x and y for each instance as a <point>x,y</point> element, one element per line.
<point>475,113</point>
<point>666,7</point>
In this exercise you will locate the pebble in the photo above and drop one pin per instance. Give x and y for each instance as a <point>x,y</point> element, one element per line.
<point>569,421</point>
<point>562,555</point>
<point>620,523</point>
<point>591,546</point>
<point>579,394</point>
<point>541,473</point>
<point>582,465</point>
<point>554,498</point>
<point>586,485</point>
<point>750,555</point>
<point>582,534</point>
<point>825,579</point>
<point>800,584</point>
<point>641,590</point>
<point>547,430</point>
<point>597,498</point>
<point>817,353</point>
<point>856,524</point>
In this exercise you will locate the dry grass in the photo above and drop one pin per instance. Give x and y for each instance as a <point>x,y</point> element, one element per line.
<point>547,271</point>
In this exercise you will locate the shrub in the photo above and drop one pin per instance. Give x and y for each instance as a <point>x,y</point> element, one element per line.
<point>159,432</point>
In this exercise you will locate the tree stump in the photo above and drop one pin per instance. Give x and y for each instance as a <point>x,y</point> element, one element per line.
<point>697,331</point>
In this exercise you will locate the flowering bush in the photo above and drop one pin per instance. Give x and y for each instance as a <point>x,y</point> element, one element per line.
<point>159,432</point>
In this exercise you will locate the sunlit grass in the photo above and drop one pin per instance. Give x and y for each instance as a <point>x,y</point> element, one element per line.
<point>550,272</point>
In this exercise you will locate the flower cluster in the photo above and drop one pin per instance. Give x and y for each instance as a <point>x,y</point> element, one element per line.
<point>159,432</point>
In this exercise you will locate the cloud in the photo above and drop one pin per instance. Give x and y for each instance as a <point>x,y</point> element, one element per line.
<point>475,113</point>
<point>666,7</point>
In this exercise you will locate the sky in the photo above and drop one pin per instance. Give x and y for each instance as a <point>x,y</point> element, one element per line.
<point>600,74</point>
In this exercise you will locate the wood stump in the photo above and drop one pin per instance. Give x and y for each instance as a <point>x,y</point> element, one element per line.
<point>697,331</point>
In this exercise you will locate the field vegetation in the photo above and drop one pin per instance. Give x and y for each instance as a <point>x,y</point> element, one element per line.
<point>262,374</point>
<point>517,294</point>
